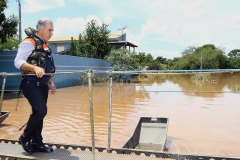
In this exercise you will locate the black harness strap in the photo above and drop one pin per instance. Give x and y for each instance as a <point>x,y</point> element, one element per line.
<point>20,89</point>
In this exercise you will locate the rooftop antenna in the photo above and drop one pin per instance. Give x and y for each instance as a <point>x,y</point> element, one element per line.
<point>122,28</point>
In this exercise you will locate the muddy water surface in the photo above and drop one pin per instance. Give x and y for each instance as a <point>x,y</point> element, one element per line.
<point>204,118</point>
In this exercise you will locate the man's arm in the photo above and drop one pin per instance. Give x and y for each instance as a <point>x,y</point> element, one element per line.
<point>24,51</point>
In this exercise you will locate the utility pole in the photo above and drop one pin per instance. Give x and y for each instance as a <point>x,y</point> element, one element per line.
<point>201,61</point>
<point>20,29</point>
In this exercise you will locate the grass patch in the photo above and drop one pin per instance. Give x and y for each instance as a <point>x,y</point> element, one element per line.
<point>203,77</point>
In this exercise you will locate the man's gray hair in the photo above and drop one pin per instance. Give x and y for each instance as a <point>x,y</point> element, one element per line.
<point>42,23</point>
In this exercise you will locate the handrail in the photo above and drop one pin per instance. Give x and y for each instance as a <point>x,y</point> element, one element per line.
<point>47,74</point>
<point>110,113</point>
<point>2,93</point>
<point>127,72</point>
<point>90,76</point>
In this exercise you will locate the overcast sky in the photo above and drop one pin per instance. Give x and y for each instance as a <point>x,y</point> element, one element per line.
<point>160,27</point>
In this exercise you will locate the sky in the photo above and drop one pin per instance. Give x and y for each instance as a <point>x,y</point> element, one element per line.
<point>160,27</point>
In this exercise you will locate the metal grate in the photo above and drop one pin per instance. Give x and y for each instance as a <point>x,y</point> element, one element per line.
<point>16,151</point>
<point>11,150</point>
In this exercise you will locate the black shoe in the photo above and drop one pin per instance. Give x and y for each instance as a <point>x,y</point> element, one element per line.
<point>19,141</point>
<point>42,148</point>
<point>26,145</point>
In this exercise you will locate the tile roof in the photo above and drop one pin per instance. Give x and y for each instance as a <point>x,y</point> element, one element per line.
<point>68,38</point>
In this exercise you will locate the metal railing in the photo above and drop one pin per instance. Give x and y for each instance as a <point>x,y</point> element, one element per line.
<point>90,73</point>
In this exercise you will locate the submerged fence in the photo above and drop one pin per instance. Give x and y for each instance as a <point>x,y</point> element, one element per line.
<point>109,149</point>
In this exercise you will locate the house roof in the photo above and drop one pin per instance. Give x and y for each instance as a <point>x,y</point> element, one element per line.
<point>66,38</point>
<point>114,39</point>
<point>124,42</point>
<point>114,36</point>
<point>69,38</point>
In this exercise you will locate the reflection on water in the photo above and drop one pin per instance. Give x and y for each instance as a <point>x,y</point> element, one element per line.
<point>204,118</point>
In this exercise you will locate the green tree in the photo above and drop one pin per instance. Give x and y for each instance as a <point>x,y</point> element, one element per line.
<point>211,46</point>
<point>206,57</point>
<point>161,60</point>
<point>234,63</point>
<point>81,47</point>
<point>8,25</point>
<point>149,59</point>
<point>234,58</point>
<point>234,53</point>
<point>169,63</point>
<point>96,40</point>
<point>122,60</point>
<point>189,50</point>
<point>160,63</point>
<point>212,57</point>
<point>155,65</point>
<point>73,47</point>
<point>141,59</point>
<point>10,44</point>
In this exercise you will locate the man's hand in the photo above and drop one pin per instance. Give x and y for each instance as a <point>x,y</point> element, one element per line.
<point>39,71</point>
<point>53,88</point>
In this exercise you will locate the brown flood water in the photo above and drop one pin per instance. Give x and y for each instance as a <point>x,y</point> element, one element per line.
<point>204,118</point>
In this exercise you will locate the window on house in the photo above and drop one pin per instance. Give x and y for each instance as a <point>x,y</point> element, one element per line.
<point>60,48</point>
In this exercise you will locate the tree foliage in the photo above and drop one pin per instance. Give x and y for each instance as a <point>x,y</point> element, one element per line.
<point>141,58</point>
<point>122,59</point>
<point>189,50</point>
<point>161,60</point>
<point>234,58</point>
<point>235,63</point>
<point>160,63</point>
<point>94,41</point>
<point>149,59</point>
<point>8,25</point>
<point>10,44</point>
<point>205,57</point>
<point>81,50</point>
<point>73,47</point>
<point>234,53</point>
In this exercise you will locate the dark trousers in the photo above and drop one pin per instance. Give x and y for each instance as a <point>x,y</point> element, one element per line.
<point>37,96</point>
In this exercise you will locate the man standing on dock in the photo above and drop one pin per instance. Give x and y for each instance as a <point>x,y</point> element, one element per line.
<point>34,57</point>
